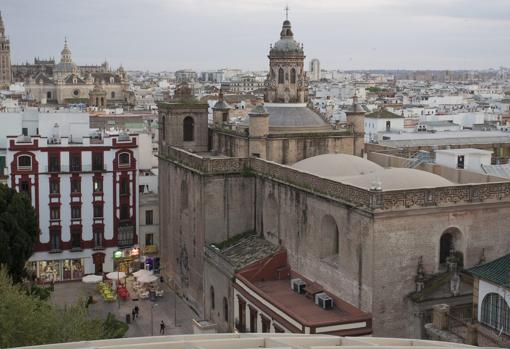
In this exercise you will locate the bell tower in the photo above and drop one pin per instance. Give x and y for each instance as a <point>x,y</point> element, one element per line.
<point>286,81</point>
<point>5,57</point>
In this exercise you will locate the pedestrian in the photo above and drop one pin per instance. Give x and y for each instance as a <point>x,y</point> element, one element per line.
<point>133,313</point>
<point>137,310</point>
<point>162,327</point>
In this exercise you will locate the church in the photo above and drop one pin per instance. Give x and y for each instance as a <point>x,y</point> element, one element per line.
<point>286,198</point>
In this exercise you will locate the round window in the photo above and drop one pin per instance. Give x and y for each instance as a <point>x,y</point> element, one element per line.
<point>76,92</point>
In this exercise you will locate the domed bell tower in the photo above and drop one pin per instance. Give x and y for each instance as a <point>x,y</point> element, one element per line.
<point>221,111</point>
<point>286,81</point>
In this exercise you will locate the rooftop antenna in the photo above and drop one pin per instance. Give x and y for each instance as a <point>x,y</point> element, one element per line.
<point>287,12</point>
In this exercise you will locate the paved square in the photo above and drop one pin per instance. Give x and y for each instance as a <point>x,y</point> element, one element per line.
<point>71,292</point>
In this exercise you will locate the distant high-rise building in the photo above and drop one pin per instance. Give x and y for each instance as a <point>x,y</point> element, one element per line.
<point>315,70</point>
<point>5,56</point>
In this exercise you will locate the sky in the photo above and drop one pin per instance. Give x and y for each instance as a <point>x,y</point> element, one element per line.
<point>159,35</point>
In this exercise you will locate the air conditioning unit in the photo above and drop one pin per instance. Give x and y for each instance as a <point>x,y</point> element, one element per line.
<point>297,285</point>
<point>324,301</point>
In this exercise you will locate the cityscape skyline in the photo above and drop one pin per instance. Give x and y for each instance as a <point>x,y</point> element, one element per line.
<point>177,34</point>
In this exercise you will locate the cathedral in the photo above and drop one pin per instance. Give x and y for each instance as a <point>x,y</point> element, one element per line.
<point>65,82</point>
<point>315,214</point>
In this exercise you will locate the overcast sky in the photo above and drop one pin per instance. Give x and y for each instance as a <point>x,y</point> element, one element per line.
<point>210,34</point>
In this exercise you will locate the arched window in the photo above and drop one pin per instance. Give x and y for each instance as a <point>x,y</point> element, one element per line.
<point>293,76</point>
<point>113,95</point>
<point>445,245</point>
<point>25,161</point>
<point>48,95</point>
<point>225,309</point>
<point>495,312</point>
<point>188,129</point>
<point>124,159</point>
<point>280,76</point>
<point>212,298</point>
<point>330,244</point>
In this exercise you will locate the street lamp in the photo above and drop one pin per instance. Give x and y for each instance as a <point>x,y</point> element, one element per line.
<point>152,317</point>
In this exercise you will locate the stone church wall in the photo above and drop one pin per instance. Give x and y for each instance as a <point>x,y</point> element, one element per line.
<point>284,149</point>
<point>363,246</point>
<point>338,258</point>
<point>400,240</point>
<point>182,230</point>
<point>293,149</point>
<point>197,210</point>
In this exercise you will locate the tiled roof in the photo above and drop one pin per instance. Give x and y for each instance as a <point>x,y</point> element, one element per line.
<point>497,271</point>
<point>298,116</point>
<point>383,114</point>
<point>249,250</point>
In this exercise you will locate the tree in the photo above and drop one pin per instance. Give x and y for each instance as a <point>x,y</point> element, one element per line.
<point>373,89</point>
<point>26,319</point>
<point>18,231</point>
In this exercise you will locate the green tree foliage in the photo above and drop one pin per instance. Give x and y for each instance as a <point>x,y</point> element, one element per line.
<point>18,231</point>
<point>114,328</point>
<point>373,89</point>
<point>26,319</point>
<point>38,291</point>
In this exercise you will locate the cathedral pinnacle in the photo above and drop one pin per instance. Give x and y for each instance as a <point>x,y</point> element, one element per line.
<point>2,27</point>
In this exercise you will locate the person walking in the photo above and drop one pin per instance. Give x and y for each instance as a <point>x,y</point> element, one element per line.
<point>137,310</point>
<point>162,327</point>
<point>133,313</point>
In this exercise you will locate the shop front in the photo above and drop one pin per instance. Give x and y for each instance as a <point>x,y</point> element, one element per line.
<point>126,260</point>
<point>150,258</point>
<point>57,270</point>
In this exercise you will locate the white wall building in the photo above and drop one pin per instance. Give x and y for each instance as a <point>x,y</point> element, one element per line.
<point>381,121</point>
<point>84,189</point>
<point>469,159</point>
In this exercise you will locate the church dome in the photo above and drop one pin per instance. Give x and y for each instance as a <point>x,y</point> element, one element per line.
<point>397,179</point>
<point>363,173</point>
<point>221,104</point>
<point>337,165</point>
<point>286,42</point>
<point>66,64</point>
<point>286,45</point>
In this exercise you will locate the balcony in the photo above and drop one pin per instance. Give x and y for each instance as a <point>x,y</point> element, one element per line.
<point>76,168</point>
<point>54,168</point>
<point>126,236</point>
<point>98,167</point>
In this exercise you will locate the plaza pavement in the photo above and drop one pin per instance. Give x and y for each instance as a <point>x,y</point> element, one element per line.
<point>69,293</point>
